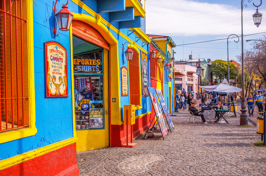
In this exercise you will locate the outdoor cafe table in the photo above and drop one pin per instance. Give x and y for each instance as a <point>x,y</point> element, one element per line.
<point>221,115</point>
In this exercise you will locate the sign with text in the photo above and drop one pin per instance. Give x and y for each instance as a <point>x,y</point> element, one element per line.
<point>56,70</point>
<point>165,109</point>
<point>144,75</point>
<point>124,81</point>
<point>88,63</point>
<point>157,110</point>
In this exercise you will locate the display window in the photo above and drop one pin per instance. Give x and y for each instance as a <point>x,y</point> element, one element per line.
<point>89,85</point>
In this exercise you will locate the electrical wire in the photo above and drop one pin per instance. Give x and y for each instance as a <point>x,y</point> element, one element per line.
<point>216,39</point>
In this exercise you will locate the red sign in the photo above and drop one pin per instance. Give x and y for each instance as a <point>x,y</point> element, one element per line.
<point>124,81</point>
<point>56,70</point>
<point>88,84</point>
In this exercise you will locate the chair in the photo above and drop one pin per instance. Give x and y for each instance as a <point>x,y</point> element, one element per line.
<point>192,116</point>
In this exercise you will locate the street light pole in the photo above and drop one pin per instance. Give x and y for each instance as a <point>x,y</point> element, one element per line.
<point>228,54</point>
<point>243,116</point>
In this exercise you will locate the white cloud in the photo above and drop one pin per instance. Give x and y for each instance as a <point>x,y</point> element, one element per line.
<point>188,18</point>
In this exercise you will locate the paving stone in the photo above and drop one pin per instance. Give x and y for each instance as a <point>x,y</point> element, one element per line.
<point>192,149</point>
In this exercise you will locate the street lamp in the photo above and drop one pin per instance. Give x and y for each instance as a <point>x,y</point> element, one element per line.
<point>228,53</point>
<point>243,116</point>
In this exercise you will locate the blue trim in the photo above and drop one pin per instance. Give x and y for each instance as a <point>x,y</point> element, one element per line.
<point>126,15</point>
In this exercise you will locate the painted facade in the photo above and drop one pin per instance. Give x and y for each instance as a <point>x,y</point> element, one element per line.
<point>185,77</point>
<point>49,144</point>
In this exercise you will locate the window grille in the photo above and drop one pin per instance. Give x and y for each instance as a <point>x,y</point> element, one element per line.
<point>14,96</point>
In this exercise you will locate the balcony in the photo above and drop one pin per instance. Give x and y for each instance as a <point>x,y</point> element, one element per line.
<point>182,72</point>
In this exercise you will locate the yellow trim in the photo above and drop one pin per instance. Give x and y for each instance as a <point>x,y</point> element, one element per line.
<point>72,83</point>
<point>31,130</point>
<point>141,34</point>
<point>106,23</point>
<point>4,164</point>
<point>142,115</point>
<point>135,48</point>
<point>139,11</point>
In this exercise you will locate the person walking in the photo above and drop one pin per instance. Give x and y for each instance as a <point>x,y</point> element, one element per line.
<point>203,99</point>
<point>260,101</point>
<point>177,100</point>
<point>186,100</point>
<point>183,91</point>
<point>182,100</point>
<point>250,103</point>
<point>189,99</point>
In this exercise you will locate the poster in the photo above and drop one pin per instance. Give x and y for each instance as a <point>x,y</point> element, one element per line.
<point>56,70</point>
<point>157,109</point>
<point>144,75</point>
<point>124,81</point>
<point>165,109</point>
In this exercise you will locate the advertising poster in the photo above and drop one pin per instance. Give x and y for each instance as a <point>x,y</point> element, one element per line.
<point>56,70</point>
<point>165,109</point>
<point>157,109</point>
<point>144,75</point>
<point>124,81</point>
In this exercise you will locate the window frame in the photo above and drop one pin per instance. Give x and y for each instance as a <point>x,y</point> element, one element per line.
<point>11,135</point>
<point>140,87</point>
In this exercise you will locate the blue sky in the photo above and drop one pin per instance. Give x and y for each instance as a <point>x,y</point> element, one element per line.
<point>189,21</point>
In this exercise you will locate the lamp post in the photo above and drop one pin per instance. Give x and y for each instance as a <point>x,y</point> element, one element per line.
<point>228,53</point>
<point>243,116</point>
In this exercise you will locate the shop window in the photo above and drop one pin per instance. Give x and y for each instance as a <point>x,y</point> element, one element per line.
<point>14,78</point>
<point>134,79</point>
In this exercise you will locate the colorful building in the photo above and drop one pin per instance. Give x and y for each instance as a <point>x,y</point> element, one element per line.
<point>186,78</point>
<point>64,92</point>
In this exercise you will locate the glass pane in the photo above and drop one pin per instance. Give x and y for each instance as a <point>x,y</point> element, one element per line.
<point>64,20</point>
<point>89,102</point>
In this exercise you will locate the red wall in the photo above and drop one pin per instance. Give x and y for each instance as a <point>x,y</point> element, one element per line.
<point>59,162</point>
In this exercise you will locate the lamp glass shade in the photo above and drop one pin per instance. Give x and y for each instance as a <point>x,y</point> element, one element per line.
<point>129,54</point>
<point>257,18</point>
<point>64,18</point>
<point>153,54</point>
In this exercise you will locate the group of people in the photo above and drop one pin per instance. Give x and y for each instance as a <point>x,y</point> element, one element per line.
<point>182,100</point>
<point>258,100</point>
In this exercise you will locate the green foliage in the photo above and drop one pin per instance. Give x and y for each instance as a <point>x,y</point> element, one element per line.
<point>205,82</point>
<point>219,69</point>
<point>239,79</point>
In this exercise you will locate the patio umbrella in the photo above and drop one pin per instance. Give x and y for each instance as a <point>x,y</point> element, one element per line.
<point>224,87</point>
<point>260,90</point>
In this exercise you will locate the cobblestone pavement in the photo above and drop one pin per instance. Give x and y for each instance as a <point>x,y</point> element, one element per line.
<point>192,149</point>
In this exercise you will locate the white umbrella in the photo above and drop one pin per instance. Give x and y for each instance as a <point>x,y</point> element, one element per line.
<point>224,87</point>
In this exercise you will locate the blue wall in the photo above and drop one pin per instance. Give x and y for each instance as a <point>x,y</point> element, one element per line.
<point>54,115</point>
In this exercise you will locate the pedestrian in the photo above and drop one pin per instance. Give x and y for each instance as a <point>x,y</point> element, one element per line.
<point>195,111</point>
<point>192,93</point>
<point>182,101</point>
<point>183,91</point>
<point>189,99</point>
<point>260,101</point>
<point>203,99</point>
<point>186,100</point>
<point>250,103</point>
<point>218,106</point>
<point>177,100</point>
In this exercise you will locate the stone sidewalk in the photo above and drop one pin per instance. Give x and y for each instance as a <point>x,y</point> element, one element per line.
<point>192,149</point>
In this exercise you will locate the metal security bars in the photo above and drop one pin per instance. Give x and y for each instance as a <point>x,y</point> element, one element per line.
<point>14,96</point>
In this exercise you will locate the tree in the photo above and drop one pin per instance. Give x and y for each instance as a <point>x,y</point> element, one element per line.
<point>204,82</point>
<point>219,69</point>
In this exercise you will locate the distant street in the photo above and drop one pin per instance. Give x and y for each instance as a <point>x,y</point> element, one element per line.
<point>192,149</point>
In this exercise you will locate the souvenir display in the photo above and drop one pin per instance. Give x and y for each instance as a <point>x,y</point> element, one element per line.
<point>89,102</point>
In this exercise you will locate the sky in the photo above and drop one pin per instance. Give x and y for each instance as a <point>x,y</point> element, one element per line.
<point>190,21</point>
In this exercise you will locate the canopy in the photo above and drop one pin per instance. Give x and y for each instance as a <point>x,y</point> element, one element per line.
<point>260,90</point>
<point>224,87</point>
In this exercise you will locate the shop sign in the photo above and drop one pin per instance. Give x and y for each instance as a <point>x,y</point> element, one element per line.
<point>157,110</point>
<point>87,65</point>
<point>56,70</point>
<point>144,75</point>
<point>198,72</point>
<point>124,81</point>
<point>165,109</point>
